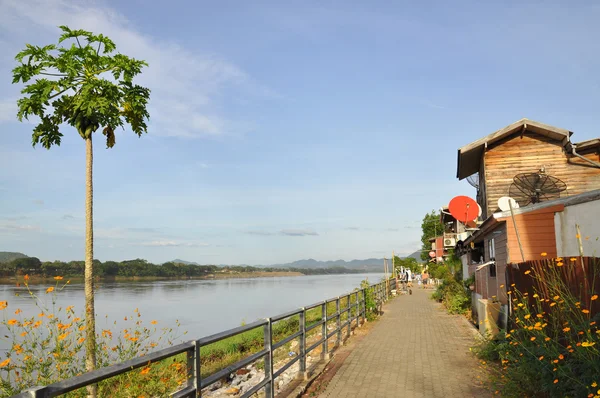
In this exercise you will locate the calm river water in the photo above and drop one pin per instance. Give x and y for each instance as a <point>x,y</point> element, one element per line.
<point>202,307</point>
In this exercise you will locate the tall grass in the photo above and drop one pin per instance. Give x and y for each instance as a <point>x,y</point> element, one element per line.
<point>553,348</point>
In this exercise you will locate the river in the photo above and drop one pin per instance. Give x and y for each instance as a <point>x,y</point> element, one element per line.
<point>202,307</point>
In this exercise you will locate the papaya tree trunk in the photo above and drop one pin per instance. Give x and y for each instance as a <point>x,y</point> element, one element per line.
<point>90,317</point>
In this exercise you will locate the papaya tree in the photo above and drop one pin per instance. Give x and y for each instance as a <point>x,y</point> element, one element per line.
<point>83,83</point>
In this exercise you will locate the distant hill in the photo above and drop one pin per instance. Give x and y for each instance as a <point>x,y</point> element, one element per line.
<point>178,261</point>
<point>6,257</point>
<point>370,264</point>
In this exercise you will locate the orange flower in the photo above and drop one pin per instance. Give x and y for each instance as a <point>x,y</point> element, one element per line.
<point>41,314</point>
<point>50,289</point>
<point>69,308</point>
<point>23,334</point>
<point>154,322</point>
<point>81,340</point>
<point>146,370</point>
<point>58,278</point>
<point>585,311</point>
<point>134,339</point>
<point>592,323</point>
<point>547,339</point>
<point>527,272</point>
<point>555,381</point>
<point>594,297</point>
<point>18,311</point>
<point>26,277</point>
<point>540,358</point>
<point>5,363</point>
<point>81,328</point>
<point>561,357</point>
<point>566,329</point>
<point>12,322</point>
<point>544,254</point>
<point>63,336</point>
<point>573,259</point>
<point>532,339</point>
<point>559,264</point>
<point>527,316</point>
<point>37,324</point>
<point>552,304</point>
<point>3,304</point>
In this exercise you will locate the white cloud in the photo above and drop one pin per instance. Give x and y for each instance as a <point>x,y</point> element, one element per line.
<point>8,110</point>
<point>298,232</point>
<point>18,227</point>
<point>185,84</point>
<point>171,243</point>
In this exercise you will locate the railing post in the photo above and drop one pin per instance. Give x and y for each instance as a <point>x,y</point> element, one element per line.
<point>303,374</point>
<point>348,315</point>
<point>364,305</point>
<point>325,353</point>
<point>338,322</point>
<point>193,368</point>
<point>268,339</point>
<point>357,303</point>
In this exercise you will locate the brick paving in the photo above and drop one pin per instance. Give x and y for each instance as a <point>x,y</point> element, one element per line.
<point>414,350</point>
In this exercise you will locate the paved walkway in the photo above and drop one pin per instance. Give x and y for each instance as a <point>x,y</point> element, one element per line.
<point>414,350</point>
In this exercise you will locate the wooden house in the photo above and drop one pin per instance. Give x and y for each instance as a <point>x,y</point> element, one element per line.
<point>528,146</point>
<point>536,230</point>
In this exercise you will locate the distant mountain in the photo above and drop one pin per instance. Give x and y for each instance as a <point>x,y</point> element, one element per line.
<point>6,257</point>
<point>370,264</point>
<point>178,261</point>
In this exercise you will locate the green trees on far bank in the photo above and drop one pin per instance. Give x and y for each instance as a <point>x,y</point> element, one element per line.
<point>142,268</point>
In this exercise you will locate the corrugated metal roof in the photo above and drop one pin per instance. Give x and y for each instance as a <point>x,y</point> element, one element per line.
<point>469,156</point>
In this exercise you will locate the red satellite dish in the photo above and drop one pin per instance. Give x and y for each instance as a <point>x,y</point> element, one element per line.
<point>463,208</point>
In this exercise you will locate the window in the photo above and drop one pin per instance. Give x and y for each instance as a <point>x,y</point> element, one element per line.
<point>491,250</point>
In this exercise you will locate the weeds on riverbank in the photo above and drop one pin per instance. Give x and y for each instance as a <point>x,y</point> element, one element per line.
<point>553,348</point>
<point>453,292</point>
<point>47,348</point>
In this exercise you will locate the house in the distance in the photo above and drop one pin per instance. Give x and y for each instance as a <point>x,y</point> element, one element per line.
<point>551,179</point>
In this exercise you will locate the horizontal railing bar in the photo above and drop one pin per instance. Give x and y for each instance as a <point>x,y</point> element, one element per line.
<point>333,333</point>
<point>286,340</point>
<point>231,332</point>
<point>256,388</point>
<point>315,305</point>
<point>343,325</point>
<point>97,375</point>
<point>189,391</point>
<point>285,315</point>
<point>312,347</point>
<point>330,317</point>
<point>213,378</point>
<point>285,367</point>
<point>311,327</point>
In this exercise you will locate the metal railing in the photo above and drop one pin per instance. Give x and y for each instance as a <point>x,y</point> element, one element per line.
<point>355,309</point>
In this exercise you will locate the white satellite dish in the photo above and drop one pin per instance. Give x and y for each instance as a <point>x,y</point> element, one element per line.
<point>505,202</point>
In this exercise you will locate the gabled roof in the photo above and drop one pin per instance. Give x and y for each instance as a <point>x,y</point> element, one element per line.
<point>469,156</point>
<point>587,145</point>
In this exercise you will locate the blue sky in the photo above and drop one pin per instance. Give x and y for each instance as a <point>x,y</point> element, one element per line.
<point>288,130</point>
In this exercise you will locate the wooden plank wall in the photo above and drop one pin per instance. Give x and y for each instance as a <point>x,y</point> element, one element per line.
<point>527,154</point>
<point>581,276</point>
<point>500,243</point>
<point>536,230</point>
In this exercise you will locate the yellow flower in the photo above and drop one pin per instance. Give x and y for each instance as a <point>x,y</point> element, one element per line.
<point>566,329</point>
<point>58,278</point>
<point>507,335</point>
<point>544,254</point>
<point>3,304</point>
<point>501,286</point>
<point>585,311</point>
<point>552,304</point>
<point>556,297</point>
<point>63,336</point>
<point>520,305</point>
<point>23,334</point>
<point>12,322</point>
<point>527,316</point>
<point>81,328</point>
<point>5,363</point>
<point>573,259</point>
<point>547,339</point>
<point>594,297</point>
<point>154,322</point>
<point>81,340</point>
<point>69,308</point>
<point>535,295</point>
<point>559,264</point>
<point>134,339</point>
<point>50,289</point>
<point>527,272</point>
<point>539,315</point>
<point>588,344</point>
<point>594,384</point>
<point>532,339</point>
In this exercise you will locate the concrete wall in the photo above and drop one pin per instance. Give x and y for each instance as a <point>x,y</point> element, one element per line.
<point>586,215</point>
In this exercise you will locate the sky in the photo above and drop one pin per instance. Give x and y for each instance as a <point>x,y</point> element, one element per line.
<point>287,130</point>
